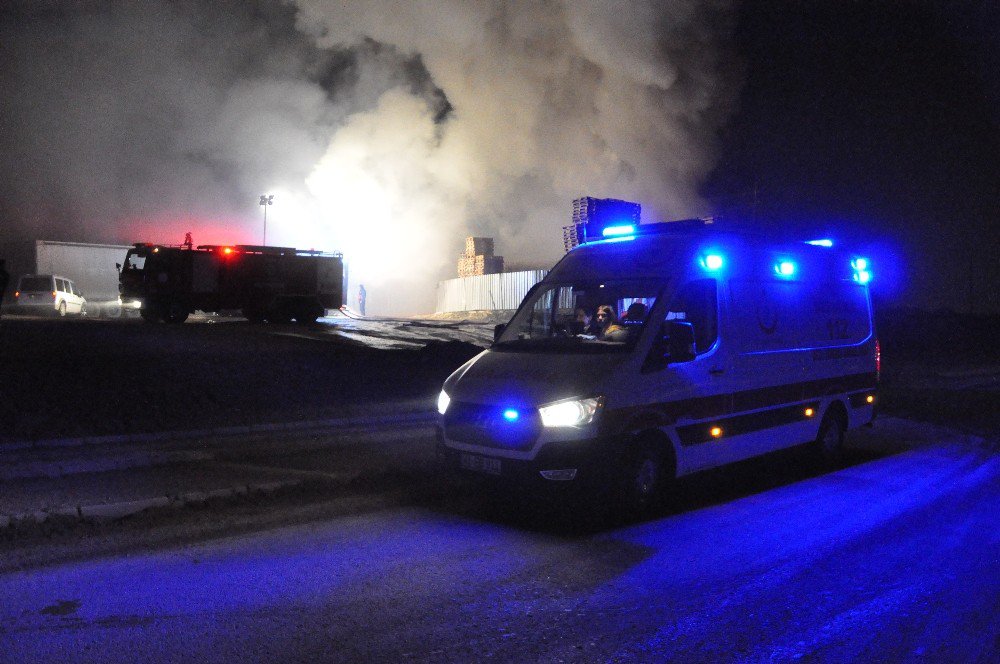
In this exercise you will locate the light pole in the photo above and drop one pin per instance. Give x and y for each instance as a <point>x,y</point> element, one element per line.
<point>266,200</point>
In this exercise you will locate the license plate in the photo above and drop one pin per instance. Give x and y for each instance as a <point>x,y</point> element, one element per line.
<point>480,464</point>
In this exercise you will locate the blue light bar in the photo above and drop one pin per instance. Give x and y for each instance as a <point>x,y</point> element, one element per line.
<point>821,243</point>
<point>615,231</point>
<point>511,415</point>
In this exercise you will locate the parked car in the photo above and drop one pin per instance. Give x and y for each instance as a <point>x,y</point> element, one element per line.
<point>48,294</point>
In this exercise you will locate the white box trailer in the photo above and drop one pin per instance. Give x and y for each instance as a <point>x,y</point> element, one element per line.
<point>92,267</point>
<point>664,352</point>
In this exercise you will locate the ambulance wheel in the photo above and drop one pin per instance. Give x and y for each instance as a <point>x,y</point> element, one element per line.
<point>829,444</point>
<point>62,310</point>
<point>640,479</point>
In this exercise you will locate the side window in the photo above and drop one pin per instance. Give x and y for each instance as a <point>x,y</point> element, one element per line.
<point>60,285</point>
<point>696,303</point>
<point>70,288</point>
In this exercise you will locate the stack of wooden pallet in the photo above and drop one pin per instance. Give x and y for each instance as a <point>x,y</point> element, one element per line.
<point>478,258</point>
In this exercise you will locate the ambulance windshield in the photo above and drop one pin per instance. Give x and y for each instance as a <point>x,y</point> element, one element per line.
<point>586,317</point>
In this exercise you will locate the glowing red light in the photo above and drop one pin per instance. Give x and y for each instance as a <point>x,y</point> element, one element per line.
<point>227,250</point>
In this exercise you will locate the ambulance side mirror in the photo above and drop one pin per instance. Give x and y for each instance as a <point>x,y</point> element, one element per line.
<point>498,330</point>
<point>674,344</point>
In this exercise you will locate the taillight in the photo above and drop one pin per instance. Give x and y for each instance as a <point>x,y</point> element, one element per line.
<point>53,295</point>
<point>878,360</point>
<point>17,294</point>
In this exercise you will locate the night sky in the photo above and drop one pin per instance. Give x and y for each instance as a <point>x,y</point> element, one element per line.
<point>391,130</point>
<point>878,122</point>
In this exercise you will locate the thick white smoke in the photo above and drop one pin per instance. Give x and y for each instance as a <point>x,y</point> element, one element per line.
<point>551,101</point>
<point>389,130</point>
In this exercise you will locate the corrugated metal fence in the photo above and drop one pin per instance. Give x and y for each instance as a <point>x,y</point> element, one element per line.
<point>486,292</point>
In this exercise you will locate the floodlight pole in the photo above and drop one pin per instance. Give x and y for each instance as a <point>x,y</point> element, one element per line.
<point>266,200</point>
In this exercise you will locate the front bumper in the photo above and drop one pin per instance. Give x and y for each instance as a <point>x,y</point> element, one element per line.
<point>593,459</point>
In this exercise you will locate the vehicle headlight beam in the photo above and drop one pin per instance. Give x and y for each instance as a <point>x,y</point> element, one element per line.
<point>570,412</point>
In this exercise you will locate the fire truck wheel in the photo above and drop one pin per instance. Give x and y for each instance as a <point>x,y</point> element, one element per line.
<point>255,316</point>
<point>150,314</point>
<point>175,313</point>
<point>306,315</point>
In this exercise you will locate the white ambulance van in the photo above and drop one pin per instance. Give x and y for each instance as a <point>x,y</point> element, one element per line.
<point>725,347</point>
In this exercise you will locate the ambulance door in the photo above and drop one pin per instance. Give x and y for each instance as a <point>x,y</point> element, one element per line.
<point>696,393</point>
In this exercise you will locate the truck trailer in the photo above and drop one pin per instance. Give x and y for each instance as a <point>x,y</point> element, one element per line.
<point>90,266</point>
<point>275,284</point>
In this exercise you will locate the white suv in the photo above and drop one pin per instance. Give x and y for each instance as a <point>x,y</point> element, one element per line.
<point>48,293</point>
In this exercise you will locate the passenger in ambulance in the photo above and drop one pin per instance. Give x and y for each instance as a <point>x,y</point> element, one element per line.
<point>635,314</point>
<point>607,325</point>
<point>583,323</point>
<point>633,319</point>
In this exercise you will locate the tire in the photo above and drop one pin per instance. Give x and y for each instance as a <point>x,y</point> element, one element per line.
<point>829,443</point>
<point>61,311</point>
<point>280,315</point>
<point>150,314</point>
<point>175,313</point>
<point>306,315</point>
<point>640,480</point>
<point>255,316</point>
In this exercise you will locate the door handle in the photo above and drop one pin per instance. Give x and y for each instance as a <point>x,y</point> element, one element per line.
<point>716,371</point>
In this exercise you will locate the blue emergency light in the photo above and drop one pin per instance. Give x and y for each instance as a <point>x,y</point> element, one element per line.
<point>861,273</point>
<point>617,231</point>
<point>712,262</point>
<point>820,243</point>
<point>511,415</point>
<point>784,268</point>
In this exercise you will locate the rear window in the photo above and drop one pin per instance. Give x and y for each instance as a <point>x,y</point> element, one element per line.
<point>36,283</point>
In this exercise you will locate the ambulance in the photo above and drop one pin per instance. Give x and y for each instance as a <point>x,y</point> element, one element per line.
<point>721,346</point>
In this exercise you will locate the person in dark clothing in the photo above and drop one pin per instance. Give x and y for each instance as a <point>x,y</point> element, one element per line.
<point>362,297</point>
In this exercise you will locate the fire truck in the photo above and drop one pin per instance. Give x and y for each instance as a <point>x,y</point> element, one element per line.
<point>275,284</point>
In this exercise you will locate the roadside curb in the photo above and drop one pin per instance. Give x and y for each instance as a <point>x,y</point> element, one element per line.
<point>99,512</point>
<point>403,413</point>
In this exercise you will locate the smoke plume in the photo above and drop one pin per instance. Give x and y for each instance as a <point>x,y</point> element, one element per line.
<point>388,130</point>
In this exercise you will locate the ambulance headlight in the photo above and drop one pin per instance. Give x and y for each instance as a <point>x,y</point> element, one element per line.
<point>443,401</point>
<point>570,412</point>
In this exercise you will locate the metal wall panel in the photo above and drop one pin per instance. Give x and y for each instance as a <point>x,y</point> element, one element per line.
<point>488,292</point>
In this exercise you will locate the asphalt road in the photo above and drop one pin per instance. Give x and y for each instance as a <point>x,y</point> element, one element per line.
<point>893,557</point>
